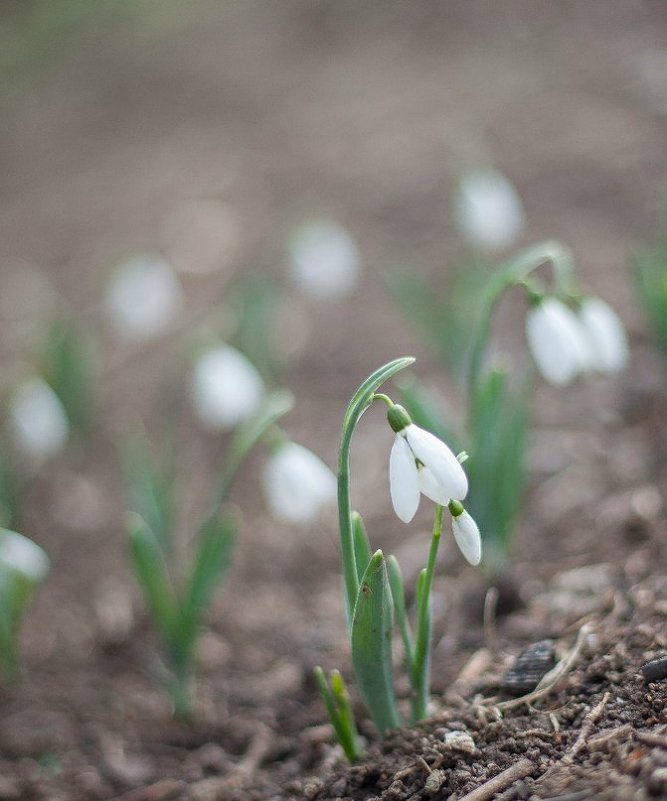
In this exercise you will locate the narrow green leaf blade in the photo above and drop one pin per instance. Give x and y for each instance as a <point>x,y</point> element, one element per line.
<point>151,572</point>
<point>362,547</point>
<point>214,549</point>
<point>371,644</point>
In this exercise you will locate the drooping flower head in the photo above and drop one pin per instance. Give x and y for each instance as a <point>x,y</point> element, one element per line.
<point>297,484</point>
<point>37,420</point>
<point>606,335</point>
<point>226,388</point>
<point>421,464</point>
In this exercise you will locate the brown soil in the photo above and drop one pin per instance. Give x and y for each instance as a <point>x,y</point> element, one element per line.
<point>365,111</point>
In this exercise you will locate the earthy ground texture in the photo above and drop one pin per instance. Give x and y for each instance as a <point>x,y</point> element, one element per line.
<point>205,136</point>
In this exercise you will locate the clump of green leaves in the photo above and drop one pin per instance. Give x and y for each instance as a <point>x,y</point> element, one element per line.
<point>178,583</point>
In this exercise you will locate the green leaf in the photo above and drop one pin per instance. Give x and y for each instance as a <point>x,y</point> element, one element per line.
<point>362,548</point>
<point>214,549</point>
<point>371,644</point>
<point>67,363</point>
<point>151,491</point>
<point>651,277</point>
<point>151,573</point>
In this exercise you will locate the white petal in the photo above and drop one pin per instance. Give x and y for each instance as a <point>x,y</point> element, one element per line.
<point>23,555</point>
<point>143,298</point>
<point>430,487</point>
<point>557,342</point>
<point>440,460</point>
<point>325,262</point>
<point>467,537</point>
<point>488,210</point>
<point>37,420</point>
<point>403,480</point>
<point>297,484</point>
<point>606,335</point>
<point>226,388</point>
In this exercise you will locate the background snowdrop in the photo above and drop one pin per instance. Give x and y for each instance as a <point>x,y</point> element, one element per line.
<point>606,336</point>
<point>23,555</point>
<point>324,260</point>
<point>23,565</point>
<point>488,210</point>
<point>557,341</point>
<point>37,420</point>
<point>226,388</point>
<point>143,298</point>
<point>297,484</point>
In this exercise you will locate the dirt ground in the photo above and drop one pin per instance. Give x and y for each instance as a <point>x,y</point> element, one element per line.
<point>367,112</point>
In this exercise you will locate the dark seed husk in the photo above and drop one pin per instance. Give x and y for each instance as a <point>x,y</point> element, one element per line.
<point>656,669</point>
<point>529,667</point>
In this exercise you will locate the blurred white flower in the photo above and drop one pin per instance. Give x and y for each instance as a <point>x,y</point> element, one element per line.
<point>557,341</point>
<point>226,388</point>
<point>607,340</point>
<point>420,463</point>
<point>37,420</point>
<point>488,210</point>
<point>466,534</point>
<point>143,297</point>
<point>324,260</point>
<point>297,484</point>
<point>23,555</point>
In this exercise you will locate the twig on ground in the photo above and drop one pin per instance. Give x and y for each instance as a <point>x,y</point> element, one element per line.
<point>587,727</point>
<point>521,769</point>
<point>490,607</point>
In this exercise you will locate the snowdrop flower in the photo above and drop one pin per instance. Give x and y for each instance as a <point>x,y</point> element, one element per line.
<point>466,533</point>
<point>23,556</point>
<point>297,484</point>
<point>226,388</point>
<point>324,260</point>
<point>420,463</point>
<point>557,341</point>
<point>143,298</point>
<point>488,210</point>
<point>37,420</point>
<point>606,336</point>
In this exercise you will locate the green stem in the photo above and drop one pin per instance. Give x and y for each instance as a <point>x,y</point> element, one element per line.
<point>513,273</point>
<point>422,661</point>
<point>345,523</point>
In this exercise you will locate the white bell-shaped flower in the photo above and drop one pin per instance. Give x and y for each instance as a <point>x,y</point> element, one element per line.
<point>607,339</point>
<point>488,210</point>
<point>324,260</point>
<point>143,298</point>
<point>23,555</point>
<point>420,463</point>
<point>467,536</point>
<point>37,420</point>
<point>297,484</point>
<point>557,341</point>
<point>226,388</point>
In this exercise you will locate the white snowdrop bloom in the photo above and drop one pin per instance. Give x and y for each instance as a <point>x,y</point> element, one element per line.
<point>488,210</point>
<point>557,341</point>
<point>420,463</point>
<point>143,298</point>
<point>324,260</point>
<point>226,388</point>
<point>37,420</point>
<point>606,336</point>
<point>466,534</point>
<point>23,555</point>
<point>297,484</point>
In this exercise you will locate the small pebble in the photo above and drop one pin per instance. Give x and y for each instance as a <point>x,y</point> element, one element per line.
<point>460,741</point>
<point>656,669</point>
